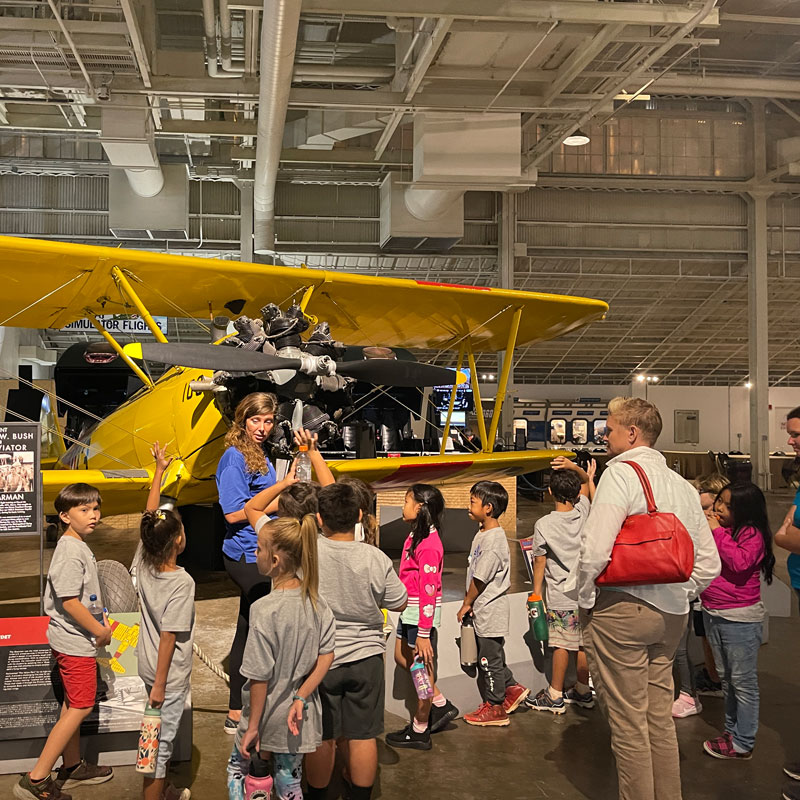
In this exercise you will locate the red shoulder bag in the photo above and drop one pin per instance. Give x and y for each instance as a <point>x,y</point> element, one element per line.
<point>650,548</point>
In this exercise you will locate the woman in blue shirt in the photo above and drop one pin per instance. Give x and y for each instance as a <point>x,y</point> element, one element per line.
<point>788,535</point>
<point>244,471</point>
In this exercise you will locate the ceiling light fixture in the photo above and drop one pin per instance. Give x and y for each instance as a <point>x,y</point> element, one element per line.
<point>577,139</point>
<point>748,385</point>
<point>640,378</point>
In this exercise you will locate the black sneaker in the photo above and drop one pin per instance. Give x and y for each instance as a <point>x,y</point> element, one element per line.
<point>408,738</point>
<point>83,775</point>
<point>792,769</point>
<point>231,726</point>
<point>43,790</point>
<point>441,716</point>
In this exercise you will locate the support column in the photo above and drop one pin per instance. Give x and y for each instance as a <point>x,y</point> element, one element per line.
<point>507,236</point>
<point>246,221</point>
<point>758,331</point>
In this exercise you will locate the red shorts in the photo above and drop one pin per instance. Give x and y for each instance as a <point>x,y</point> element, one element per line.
<point>79,676</point>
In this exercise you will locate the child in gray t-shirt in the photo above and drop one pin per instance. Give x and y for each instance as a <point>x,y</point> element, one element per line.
<point>288,652</point>
<point>166,630</point>
<point>556,549</point>
<point>485,600</point>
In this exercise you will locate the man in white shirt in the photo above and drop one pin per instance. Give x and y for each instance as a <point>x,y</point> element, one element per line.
<point>631,633</point>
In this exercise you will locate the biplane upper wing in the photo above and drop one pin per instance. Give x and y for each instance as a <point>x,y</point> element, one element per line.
<point>50,284</point>
<point>384,474</point>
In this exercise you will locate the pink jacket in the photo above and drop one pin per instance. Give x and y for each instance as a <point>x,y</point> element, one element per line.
<point>421,574</point>
<point>739,583</point>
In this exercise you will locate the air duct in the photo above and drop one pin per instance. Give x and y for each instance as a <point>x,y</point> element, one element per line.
<point>280,22</point>
<point>430,204</point>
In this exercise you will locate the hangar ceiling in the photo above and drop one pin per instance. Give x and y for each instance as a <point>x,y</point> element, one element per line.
<point>685,105</point>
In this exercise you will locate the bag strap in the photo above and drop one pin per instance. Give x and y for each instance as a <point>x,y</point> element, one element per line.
<point>648,490</point>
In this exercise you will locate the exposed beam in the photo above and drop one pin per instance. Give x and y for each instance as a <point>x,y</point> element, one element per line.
<point>137,41</point>
<point>728,86</point>
<point>515,11</point>
<point>753,19</point>
<point>30,25</point>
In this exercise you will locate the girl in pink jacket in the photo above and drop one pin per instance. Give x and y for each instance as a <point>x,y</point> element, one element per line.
<point>733,613</point>
<point>421,573</point>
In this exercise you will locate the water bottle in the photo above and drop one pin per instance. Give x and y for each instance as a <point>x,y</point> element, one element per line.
<point>302,469</point>
<point>469,644</point>
<point>422,683</point>
<point>96,610</point>
<point>536,618</point>
<point>258,782</point>
<point>149,734</point>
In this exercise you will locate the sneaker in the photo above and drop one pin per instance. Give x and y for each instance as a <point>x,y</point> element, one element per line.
<point>514,696</point>
<point>236,789</point>
<point>686,706</point>
<point>83,775</point>
<point>707,687</point>
<point>409,738</point>
<point>174,793</point>
<point>441,716</point>
<point>231,726</point>
<point>722,747</point>
<point>791,791</point>
<point>544,702</point>
<point>572,698</point>
<point>792,769</point>
<point>44,790</point>
<point>487,715</point>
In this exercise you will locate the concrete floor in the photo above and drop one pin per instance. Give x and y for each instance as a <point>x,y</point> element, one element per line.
<point>537,756</point>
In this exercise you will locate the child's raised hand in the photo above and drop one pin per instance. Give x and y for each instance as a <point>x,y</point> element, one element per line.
<point>304,437</point>
<point>159,453</point>
<point>295,718</point>
<point>251,742</point>
<point>591,469</point>
<point>561,462</point>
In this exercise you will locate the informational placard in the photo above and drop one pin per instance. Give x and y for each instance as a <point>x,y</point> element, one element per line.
<point>526,545</point>
<point>20,493</point>
<point>30,688</point>
<point>135,325</point>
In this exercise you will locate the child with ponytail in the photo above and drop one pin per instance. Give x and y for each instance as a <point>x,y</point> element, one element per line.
<point>421,573</point>
<point>166,598</point>
<point>288,652</point>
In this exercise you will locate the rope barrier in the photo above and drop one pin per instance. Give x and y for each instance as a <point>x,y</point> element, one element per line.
<point>215,668</point>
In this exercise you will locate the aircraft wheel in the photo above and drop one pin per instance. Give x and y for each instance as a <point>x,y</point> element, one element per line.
<point>119,595</point>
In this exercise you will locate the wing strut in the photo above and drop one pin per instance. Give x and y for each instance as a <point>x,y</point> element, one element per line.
<point>501,387</point>
<point>476,393</point>
<point>452,400</point>
<point>145,379</point>
<point>119,277</point>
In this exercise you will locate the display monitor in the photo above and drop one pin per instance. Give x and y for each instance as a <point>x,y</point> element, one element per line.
<point>441,395</point>
<point>457,420</point>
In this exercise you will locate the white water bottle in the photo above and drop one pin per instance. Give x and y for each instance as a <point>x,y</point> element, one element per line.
<point>96,610</point>
<point>302,470</point>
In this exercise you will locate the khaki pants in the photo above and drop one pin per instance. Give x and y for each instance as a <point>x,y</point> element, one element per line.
<point>630,647</point>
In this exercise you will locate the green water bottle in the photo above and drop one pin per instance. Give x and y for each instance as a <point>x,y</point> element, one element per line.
<point>536,617</point>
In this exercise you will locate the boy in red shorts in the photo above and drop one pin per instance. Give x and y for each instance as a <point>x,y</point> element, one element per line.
<point>74,635</point>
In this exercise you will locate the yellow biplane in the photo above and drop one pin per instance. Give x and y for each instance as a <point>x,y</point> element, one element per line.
<point>51,284</point>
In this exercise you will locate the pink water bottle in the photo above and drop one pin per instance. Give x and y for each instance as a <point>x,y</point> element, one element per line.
<point>258,781</point>
<point>422,683</point>
<point>149,734</point>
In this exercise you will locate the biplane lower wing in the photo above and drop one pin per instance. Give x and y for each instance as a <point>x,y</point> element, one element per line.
<point>385,474</point>
<point>124,490</point>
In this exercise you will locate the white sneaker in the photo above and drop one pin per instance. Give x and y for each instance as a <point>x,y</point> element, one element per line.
<point>686,706</point>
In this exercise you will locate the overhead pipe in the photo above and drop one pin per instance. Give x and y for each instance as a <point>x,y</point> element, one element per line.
<point>210,32</point>
<point>280,23</point>
<point>225,38</point>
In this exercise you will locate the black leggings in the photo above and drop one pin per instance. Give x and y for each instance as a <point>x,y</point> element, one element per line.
<point>253,586</point>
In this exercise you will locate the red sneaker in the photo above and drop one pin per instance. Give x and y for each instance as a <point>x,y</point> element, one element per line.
<point>722,747</point>
<point>487,715</point>
<point>514,696</point>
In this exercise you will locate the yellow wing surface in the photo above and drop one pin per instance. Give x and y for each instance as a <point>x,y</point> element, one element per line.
<point>384,474</point>
<point>123,491</point>
<point>50,284</point>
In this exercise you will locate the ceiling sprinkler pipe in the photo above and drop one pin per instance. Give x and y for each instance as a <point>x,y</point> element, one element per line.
<point>280,22</point>
<point>146,182</point>
<point>428,204</point>
<point>225,38</point>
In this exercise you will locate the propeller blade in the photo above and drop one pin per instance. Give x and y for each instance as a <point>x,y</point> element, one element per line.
<point>399,373</point>
<point>208,356</point>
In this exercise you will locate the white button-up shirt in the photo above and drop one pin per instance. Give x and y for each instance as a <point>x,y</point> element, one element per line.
<point>620,495</point>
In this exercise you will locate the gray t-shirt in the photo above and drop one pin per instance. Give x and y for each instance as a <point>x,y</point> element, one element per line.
<point>357,580</point>
<point>72,573</point>
<point>167,604</point>
<point>558,537</point>
<point>286,636</point>
<point>490,563</point>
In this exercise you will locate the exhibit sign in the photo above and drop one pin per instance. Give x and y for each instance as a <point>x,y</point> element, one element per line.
<point>113,324</point>
<point>20,487</point>
<point>30,687</point>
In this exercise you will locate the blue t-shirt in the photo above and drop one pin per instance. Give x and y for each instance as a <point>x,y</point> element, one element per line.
<point>793,562</point>
<point>236,485</point>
